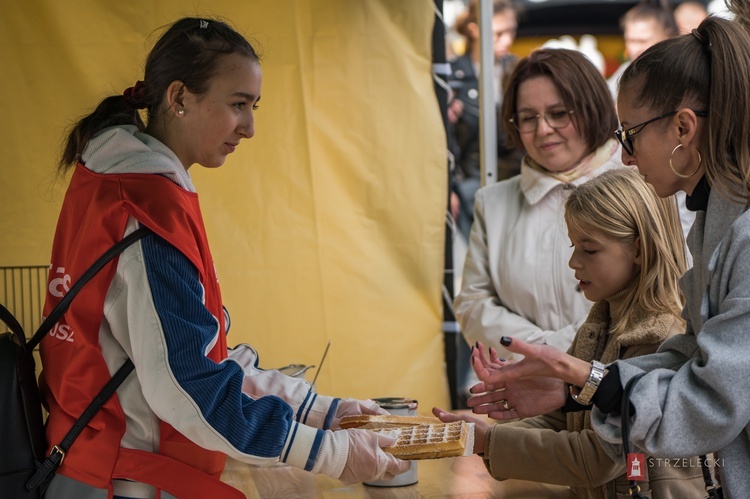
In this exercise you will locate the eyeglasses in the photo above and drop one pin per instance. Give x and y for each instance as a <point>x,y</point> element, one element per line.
<point>528,122</point>
<point>625,136</point>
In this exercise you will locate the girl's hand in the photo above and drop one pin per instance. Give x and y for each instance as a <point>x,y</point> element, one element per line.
<point>529,387</point>
<point>481,425</point>
<point>540,361</point>
<point>518,399</point>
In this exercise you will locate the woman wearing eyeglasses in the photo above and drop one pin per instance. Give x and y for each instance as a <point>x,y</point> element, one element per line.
<point>685,113</point>
<point>516,280</point>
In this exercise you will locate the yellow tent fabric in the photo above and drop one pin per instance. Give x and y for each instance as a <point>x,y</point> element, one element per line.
<point>329,224</point>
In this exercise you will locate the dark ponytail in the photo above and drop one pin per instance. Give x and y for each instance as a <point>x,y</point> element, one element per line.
<point>708,69</point>
<point>114,110</point>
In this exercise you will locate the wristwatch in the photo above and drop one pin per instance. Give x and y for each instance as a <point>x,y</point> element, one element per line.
<point>586,393</point>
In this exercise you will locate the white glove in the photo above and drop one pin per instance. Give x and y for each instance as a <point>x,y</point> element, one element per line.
<point>354,407</point>
<point>355,456</point>
<point>366,462</point>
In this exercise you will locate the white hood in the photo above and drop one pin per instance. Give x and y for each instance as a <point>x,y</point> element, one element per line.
<point>123,149</point>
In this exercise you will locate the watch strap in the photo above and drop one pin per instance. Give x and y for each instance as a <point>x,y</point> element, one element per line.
<point>589,388</point>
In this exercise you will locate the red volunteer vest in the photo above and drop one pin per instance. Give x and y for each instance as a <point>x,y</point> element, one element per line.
<point>93,218</point>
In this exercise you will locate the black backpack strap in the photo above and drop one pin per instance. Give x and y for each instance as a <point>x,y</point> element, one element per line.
<point>45,472</point>
<point>634,489</point>
<point>713,489</point>
<point>103,260</point>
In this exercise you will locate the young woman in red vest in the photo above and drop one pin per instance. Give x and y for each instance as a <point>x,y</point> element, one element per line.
<point>191,401</point>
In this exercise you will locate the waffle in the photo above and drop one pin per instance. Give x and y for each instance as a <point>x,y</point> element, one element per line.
<point>419,437</point>
<point>371,421</point>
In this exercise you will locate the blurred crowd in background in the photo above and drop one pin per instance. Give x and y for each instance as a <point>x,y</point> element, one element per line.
<point>609,33</point>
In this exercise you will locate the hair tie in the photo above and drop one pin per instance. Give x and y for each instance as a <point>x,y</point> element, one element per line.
<point>700,37</point>
<point>136,96</point>
<point>203,24</point>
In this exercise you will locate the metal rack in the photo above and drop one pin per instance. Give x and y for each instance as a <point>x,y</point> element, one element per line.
<point>22,291</point>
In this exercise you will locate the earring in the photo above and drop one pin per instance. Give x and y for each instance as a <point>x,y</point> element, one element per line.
<point>682,175</point>
<point>181,112</point>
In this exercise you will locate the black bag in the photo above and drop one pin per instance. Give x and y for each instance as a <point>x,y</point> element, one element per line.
<point>21,425</point>
<point>24,471</point>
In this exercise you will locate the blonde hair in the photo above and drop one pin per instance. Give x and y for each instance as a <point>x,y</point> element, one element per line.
<point>618,204</point>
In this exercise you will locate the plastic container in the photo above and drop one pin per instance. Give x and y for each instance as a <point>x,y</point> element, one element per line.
<point>401,407</point>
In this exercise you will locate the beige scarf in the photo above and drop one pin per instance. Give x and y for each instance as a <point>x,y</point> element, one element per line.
<point>588,164</point>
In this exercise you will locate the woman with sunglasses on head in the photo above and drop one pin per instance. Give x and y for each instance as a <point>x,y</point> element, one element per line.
<point>516,281</point>
<point>685,114</point>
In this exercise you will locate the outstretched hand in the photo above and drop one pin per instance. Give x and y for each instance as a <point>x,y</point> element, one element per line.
<point>481,425</point>
<point>511,390</point>
<point>539,361</point>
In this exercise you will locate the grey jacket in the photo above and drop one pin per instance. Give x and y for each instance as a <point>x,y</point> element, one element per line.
<point>694,399</point>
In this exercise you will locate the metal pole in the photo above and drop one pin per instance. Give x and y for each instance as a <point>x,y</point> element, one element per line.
<point>451,333</point>
<point>487,116</point>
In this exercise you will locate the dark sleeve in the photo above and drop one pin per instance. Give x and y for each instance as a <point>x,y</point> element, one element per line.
<point>608,398</point>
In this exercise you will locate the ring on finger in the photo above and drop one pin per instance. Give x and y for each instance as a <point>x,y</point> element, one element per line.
<point>505,404</point>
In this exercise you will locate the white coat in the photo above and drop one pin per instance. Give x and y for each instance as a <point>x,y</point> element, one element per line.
<point>516,279</point>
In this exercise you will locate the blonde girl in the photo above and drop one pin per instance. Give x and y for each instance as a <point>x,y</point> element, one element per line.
<point>621,208</point>
<point>628,255</point>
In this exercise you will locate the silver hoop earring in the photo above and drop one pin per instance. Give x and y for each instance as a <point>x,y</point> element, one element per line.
<point>682,175</point>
